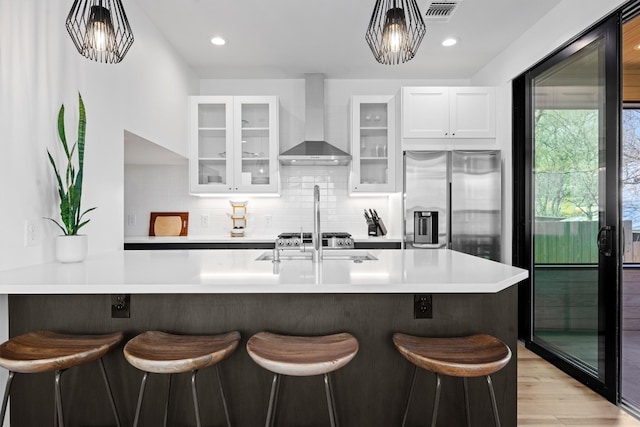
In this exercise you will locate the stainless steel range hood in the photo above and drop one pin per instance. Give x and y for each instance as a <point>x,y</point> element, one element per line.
<point>314,150</point>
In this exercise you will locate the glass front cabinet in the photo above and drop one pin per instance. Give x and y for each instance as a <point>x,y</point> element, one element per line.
<point>373,146</point>
<point>233,144</point>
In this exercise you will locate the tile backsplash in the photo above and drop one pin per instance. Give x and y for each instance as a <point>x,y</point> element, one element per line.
<point>151,188</point>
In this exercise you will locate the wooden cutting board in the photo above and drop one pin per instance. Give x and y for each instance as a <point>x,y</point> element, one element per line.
<point>169,224</point>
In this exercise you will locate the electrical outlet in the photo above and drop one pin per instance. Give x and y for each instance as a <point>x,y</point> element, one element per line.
<point>268,220</point>
<point>422,306</point>
<point>30,233</point>
<point>131,220</point>
<point>120,306</point>
<point>204,220</point>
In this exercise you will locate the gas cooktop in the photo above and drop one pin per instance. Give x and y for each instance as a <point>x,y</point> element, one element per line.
<point>325,235</point>
<point>330,240</point>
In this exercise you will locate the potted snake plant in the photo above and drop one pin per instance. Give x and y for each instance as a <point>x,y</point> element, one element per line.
<point>71,246</point>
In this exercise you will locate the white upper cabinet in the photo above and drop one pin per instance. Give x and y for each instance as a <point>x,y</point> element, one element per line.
<point>448,112</point>
<point>233,144</point>
<point>373,145</point>
<point>425,112</point>
<point>472,112</point>
<point>256,144</point>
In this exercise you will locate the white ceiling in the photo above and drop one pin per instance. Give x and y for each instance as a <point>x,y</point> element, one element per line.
<point>288,38</point>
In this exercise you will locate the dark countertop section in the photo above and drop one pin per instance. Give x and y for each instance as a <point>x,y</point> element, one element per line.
<point>168,243</point>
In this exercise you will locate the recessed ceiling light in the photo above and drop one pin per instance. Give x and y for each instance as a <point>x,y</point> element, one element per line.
<point>218,41</point>
<point>450,41</point>
<point>636,47</point>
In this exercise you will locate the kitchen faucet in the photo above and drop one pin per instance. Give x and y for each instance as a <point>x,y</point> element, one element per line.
<point>316,237</point>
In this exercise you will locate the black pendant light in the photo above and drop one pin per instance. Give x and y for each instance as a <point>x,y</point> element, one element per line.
<point>100,29</point>
<point>395,31</point>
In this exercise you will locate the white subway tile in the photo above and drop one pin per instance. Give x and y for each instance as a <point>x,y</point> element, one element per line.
<point>160,188</point>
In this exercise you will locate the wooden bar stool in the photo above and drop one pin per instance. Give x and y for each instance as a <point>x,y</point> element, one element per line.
<point>163,353</point>
<point>46,351</point>
<point>471,356</point>
<point>301,356</point>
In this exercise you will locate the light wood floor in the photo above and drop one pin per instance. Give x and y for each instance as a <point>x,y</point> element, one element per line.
<point>549,397</point>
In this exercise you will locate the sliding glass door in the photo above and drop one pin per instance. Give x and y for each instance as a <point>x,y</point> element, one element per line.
<point>630,288</point>
<point>571,117</point>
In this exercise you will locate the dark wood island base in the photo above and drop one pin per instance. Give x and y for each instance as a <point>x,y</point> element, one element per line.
<point>370,391</point>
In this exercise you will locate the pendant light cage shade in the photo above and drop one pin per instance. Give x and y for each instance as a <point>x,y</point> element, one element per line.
<point>395,31</point>
<point>100,30</point>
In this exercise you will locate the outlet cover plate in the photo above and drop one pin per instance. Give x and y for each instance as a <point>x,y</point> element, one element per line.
<point>423,306</point>
<point>120,306</point>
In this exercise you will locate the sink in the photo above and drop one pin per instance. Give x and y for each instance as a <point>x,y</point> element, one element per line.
<point>356,256</point>
<point>268,256</point>
<point>345,255</point>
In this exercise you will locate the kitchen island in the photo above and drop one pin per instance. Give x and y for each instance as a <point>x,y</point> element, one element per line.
<point>212,291</point>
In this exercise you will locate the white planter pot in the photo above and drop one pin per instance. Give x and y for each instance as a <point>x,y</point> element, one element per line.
<point>71,248</point>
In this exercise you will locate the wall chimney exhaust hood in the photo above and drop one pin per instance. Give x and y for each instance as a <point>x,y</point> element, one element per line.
<point>314,150</point>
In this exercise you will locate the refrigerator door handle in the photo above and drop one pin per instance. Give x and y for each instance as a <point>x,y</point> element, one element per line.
<point>450,220</point>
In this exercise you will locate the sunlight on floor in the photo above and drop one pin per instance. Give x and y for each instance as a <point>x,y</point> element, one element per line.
<point>549,397</point>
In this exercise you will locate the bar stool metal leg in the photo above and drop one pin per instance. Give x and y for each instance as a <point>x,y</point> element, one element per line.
<point>493,400</point>
<point>143,383</point>
<point>194,391</point>
<point>465,385</point>
<point>273,400</point>
<point>7,389</point>
<point>166,405</point>
<point>333,416</point>
<point>436,403</point>
<point>110,393</point>
<point>413,383</point>
<point>224,400</point>
<point>333,400</point>
<point>59,419</point>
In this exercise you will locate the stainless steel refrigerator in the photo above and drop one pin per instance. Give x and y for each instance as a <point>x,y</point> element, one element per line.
<point>453,199</point>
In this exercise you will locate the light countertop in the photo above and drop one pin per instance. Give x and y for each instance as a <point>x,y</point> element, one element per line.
<point>238,272</point>
<point>203,238</point>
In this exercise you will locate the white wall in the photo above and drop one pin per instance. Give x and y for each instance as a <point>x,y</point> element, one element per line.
<point>41,69</point>
<point>150,188</point>
<point>563,23</point>
<point>155,88</point>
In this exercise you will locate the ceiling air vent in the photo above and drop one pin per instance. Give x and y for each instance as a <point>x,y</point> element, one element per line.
<point>440,11</point>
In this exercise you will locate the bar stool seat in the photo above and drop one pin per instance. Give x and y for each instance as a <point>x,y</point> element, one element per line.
<point>163,353</point>
<point>46,351</point>
<point>470,356</point>
<point>301,356</point>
